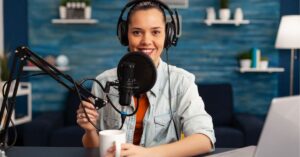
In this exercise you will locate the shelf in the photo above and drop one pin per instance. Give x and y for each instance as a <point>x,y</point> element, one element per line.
<point>74,21</point>
<point>34,68</point>
<point>228,22</point>
<point>268,70</point>
<point>23,90</point>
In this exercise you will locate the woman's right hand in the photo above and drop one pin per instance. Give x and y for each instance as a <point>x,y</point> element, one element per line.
<point>92,113</point>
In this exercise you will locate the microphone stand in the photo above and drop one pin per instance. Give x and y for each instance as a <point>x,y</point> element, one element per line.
<point>23,54</point>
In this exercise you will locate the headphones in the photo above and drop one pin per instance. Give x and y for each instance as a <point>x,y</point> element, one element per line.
<point>172,27</point>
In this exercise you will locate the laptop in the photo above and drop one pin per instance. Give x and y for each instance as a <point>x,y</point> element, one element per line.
<point>280,136</point>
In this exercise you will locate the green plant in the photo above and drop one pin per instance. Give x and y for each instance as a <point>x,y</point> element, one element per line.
<point>63,2</point>
<point>224,4</point>
<point>4,68</point>
<point>87,2</point>
<point>244,55</point>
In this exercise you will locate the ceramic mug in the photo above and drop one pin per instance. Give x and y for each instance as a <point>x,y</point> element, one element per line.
<point>108,138</point>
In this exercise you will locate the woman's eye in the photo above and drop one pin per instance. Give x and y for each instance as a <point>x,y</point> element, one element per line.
<point>156,33</point>
<point>136,33</point>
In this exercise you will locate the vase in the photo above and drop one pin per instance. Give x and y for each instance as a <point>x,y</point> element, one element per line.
<point>238,15</point>
<point>87,12</point>
<point>62,12</point>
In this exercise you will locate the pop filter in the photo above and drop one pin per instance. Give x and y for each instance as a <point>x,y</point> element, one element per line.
<point>143,71</point>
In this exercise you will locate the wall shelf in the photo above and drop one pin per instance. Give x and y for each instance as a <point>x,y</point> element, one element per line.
<point>34,68</point>
<point>23,90</point>
<point>268,70</point>
<point>74,21</point>
<point>228,22</point>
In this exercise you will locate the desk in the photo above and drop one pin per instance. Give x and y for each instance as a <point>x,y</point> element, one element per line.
<point>63,152</point>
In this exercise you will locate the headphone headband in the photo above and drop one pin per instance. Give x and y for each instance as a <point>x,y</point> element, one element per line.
<point>172,27</point>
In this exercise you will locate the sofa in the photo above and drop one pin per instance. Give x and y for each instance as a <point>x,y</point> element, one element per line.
<point>232,130</point>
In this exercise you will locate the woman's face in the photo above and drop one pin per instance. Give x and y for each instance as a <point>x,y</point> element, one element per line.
<point>146,33</point>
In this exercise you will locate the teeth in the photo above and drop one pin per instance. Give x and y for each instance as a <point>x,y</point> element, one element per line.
<point>146,50</point>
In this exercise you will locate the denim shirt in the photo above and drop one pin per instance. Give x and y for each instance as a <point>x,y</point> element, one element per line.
<point>187,106</point>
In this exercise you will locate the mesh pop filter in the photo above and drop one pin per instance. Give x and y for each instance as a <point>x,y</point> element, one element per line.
<point>144,71</point>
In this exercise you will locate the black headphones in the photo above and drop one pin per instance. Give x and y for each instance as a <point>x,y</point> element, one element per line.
<point>172,27</point>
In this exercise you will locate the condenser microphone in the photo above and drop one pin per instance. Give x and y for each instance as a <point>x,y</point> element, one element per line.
<point>136,75</point>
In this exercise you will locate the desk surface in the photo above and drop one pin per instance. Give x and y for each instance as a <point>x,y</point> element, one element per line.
<point>63,152</point>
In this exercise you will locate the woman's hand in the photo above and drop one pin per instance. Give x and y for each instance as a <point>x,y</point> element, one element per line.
<point>130,150</point>
<point>92,113</point>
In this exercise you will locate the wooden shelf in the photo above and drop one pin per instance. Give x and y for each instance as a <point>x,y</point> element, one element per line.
<point>74,21</point>
<point>268,70</point>
<point>34,68</point>
<point>228,22</point>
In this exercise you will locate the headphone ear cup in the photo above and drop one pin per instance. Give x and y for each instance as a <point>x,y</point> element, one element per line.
<point>122,33</point>
<point>170,28</point>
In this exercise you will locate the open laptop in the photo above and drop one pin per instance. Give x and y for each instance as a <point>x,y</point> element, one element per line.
<point>280,136</point>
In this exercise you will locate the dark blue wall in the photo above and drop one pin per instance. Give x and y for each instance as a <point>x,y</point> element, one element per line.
<point>289,7</point>
<point>208,52</point>
<point>15,24</point>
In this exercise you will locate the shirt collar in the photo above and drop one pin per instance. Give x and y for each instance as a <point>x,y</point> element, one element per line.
<point>159,74</point>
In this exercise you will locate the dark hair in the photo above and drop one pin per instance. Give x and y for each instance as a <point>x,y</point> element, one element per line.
<point>145,5</point>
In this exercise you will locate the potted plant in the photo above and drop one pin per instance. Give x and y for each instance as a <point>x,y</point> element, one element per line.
<point>4,68</point>
<point>4,71</point>
<point>224,11</point>
<point>264,62</point>
<point>63,9</point>
<point>245,59</point>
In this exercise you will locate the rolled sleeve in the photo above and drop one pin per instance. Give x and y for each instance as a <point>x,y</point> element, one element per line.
<point>194,118</point>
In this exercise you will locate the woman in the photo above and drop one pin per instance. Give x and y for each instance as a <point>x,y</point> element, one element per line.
<point>151,131</point>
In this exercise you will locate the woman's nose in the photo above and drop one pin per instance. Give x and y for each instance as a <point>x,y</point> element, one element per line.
<point>147,39</point>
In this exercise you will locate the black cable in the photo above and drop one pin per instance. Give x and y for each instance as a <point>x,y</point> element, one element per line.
<point>170,99</point>
<point>13,124</point>
<point>123,114</point>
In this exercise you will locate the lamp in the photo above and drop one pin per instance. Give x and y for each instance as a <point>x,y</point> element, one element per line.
<point>288,37</point>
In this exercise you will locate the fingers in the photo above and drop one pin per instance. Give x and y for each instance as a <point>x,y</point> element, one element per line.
<point>127,149</point>
<point>86,111</point>
<point>86,104</point>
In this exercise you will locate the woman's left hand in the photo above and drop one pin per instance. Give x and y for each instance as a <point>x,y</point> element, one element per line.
<point>130,150</point>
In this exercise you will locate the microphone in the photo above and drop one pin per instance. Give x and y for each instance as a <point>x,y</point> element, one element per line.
<point>136,74</point>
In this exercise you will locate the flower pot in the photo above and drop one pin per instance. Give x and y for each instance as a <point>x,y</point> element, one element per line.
<point>245,63</point>
<point>263,64</point>
<point>62,12</point>
<point>87,12</point>
<point>224,14</point>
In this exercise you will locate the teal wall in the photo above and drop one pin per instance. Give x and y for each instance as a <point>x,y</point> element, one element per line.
<point>208,52</point>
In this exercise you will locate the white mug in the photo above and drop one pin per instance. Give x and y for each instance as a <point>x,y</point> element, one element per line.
<point>110,137</point>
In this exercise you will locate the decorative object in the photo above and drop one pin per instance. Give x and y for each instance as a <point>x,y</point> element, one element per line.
<point>224,11</point>
<point>255,57</point>
<point>264,63</point>
<point>62,61</point>
<point>238,15</point>
<point>245,59</point>
<point>210,13</point>
<point>288,37</point>
<point>75,9</point>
